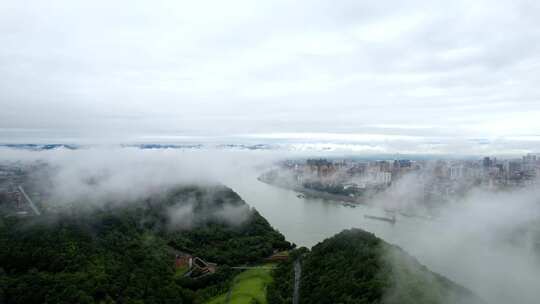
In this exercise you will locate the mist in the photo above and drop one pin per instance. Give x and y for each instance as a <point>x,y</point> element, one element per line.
<point>485,241</point>
<point>194,211</point>
<point>126,174</point>
<point>489,242</point>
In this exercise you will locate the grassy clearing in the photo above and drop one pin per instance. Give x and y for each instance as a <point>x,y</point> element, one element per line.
<point>180,271</point>
<point>248,286</point>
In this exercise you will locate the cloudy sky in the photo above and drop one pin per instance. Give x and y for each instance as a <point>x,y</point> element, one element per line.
<point>358,70</point>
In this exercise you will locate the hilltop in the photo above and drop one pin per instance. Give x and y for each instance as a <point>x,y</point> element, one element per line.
<point>355,266</point>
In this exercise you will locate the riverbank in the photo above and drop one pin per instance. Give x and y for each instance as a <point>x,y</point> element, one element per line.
<point>311,193</point>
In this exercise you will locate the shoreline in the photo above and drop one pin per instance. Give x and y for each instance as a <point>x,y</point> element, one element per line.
<point>340,199</point>
<point>316,193</point>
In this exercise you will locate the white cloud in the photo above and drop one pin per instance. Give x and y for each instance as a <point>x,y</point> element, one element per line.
<point>129,68</point>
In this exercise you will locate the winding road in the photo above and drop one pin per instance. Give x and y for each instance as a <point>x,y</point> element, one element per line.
<point>297,276</point>
<point>27,198</point>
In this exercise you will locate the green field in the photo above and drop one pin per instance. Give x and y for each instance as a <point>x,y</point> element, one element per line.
<point>248,286</point>
<point>180,271</point>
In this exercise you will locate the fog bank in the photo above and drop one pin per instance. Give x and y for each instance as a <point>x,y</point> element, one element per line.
<point>486,241</point>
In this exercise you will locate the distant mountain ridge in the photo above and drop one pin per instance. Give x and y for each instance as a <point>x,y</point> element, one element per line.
<point>347,150</point>
<point>145,146</point>
<point>36,147</point>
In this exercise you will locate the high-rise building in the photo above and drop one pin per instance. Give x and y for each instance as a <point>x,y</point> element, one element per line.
<point>487,162</point>
<point>529,158</point>
<point>457,172</point>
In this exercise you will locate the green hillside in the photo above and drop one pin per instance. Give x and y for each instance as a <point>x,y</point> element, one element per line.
<point>354,266</point>
<point>124,252</point>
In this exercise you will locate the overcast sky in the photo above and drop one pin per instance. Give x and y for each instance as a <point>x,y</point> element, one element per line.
<point>444,70</point>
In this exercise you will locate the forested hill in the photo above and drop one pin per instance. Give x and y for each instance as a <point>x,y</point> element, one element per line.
<point>354,266</point>
<point>125,252</point>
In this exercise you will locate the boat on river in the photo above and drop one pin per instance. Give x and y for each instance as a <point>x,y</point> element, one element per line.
<point>391,220</point>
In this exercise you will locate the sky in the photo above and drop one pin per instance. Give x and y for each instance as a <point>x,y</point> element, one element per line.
<point>461,73</point>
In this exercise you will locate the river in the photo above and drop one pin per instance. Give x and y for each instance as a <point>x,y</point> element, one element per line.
<point>498,273</point>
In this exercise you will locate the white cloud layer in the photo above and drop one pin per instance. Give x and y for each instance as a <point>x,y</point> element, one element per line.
<point>101,69</point>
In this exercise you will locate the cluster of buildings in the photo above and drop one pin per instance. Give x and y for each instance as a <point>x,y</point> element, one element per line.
<point>17,186</point>
<point>11,175</point>
<point>496,173</point>
<point>438,178</point>
<point>350,173</point>
<point>192,266</point>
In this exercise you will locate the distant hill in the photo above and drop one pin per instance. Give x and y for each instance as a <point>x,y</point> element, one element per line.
<point>354,266</point>
<point>38,147</point>
<point>146,146</point>
<point>124,252</point>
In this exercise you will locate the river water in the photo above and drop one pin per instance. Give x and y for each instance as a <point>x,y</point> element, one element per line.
<point>307,221</point>
<point>499,274</point>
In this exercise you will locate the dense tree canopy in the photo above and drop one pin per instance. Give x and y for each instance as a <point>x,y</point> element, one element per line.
<point>123,252</point>
<point>354,266</point>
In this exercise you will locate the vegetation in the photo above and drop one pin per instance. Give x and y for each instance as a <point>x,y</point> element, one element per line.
<point>354,266</point>
<point>124,252</point>
<point>334,188</point>
<point>280,290</point>
<point>249,287</point>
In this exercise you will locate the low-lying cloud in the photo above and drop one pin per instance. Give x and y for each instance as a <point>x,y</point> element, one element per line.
<point>486,241</point>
